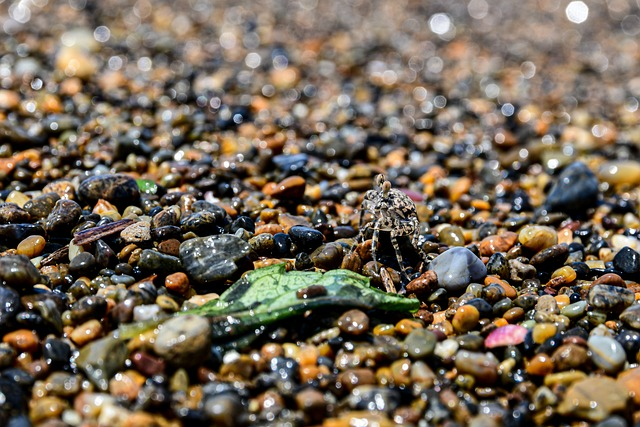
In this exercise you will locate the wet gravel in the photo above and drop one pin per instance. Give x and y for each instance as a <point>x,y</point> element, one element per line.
<point>151,153</point>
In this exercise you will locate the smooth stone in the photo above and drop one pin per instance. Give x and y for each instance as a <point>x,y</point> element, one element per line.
<point>223,409</point>
<point>631,316</point>
<point>18,272</point>
<point>505,336</point>
<point>575,310</point>
<point>354,322</point>
<point>101,359</point>
<point>451,236</point>
<point>610,298</point>
<point>119,189</point>
<point>82,264</point>
<point>465,319</point>
<point>619,172</point>
<point>630,379</point>
<point>56,352</point>
<point>627,261</point>
<point>184,340</point>
<point>63,217</point>
<point>456,268</point>
<point>32,246</point>
<point>210,259</point>
<point>569,356</point>
<point>537,237</point>
<point>446,349</point>
<point>305,238</point>
<point>420,343</point>
<point>484,367</point>
<point>594,399</point>
<point>152,260</point>
<point>575,191</point>
<point>550,258</point>
<point>89,307</point>
<point>607,353</point>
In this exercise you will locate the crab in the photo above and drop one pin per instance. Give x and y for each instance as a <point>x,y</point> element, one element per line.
<point>393,212</point>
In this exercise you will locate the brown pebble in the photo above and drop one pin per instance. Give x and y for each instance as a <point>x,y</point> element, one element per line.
<point>291,187</point>
<point>47,407</point>
<point>540,364</point>
<point>178,283</point>
<point>126,385</point>
<point>609,279</point>
<point>497,243</point>
<point>404,326</point>
<point>31,246</point>
<point>354,322</point>
<point>147,364</point>
<point>423,284</point>
<point>269,229</point>
<point>87,332</point>
<point>352,378</point>
<point>169,247</point>
<point>514,315</point>
<point>23,340</point>
<point>465,319</point>
<point>570,356</point>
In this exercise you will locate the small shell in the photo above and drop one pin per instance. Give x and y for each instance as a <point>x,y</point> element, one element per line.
<point>506,335</point>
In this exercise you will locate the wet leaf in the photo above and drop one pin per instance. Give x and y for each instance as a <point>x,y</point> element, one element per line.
<point>147,186</point>
<point>271,294</point>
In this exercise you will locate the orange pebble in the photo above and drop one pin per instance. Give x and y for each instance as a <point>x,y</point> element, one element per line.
<point>23,340</point>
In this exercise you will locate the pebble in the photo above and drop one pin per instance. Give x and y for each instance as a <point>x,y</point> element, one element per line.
<point>494,244</point>
<point>101,359</point>
<point>569,356</point>
<point>505,336</point>
<point>482,366</point>
<point>610,298</point>
<point>138,232</point>
<point>627,261</point>
<point>607,353</point>
<point>575,190</point>
<point>305,238</point>
<point>32,246</point>
<point>593,399</point>
<point>353,322</point>
<point>184,340</point>
<point>63,217</point>
<point>420,343</point>
<point>210,259</point>
<point>18,272</point>
<point>456,268</point>
<point>22,340</point>
<point>119,189</point>
<point>290,188</point>
<point>537,237</point>
<point>465,319</point>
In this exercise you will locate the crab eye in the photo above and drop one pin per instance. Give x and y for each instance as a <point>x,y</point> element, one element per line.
<point>379,180</point>
<point>386,186</point>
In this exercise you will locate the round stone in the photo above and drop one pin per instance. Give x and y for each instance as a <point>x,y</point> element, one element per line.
<point>607,353</point>
<point>354,322</point>
<point>465,319</point>
<point>456,268</point>
<point>184,340</point>
<point>575,191</point>
<point>119,189</point>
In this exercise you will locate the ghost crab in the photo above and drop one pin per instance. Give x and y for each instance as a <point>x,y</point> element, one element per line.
<point>393,212</point>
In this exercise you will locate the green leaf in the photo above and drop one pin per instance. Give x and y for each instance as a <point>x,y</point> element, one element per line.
<point>271,294</point>
<point>147,186</point>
